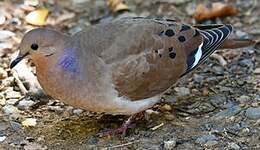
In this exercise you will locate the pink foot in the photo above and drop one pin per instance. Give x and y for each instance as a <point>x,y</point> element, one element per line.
<point>121,130</point>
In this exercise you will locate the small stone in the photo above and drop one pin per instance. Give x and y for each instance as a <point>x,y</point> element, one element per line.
<point>3,126</point>
<point>243,99</point>
<point>13,95</point>
<point>211,143</point>
<point>233,146</point>
<point>34,146</point>
<point>77,111</point>
<point>206,138</point>
<point>198,78</point>
<point>29,122</point>
<point>2,138</point>
<point>241,34</point>
<point>5,34</point>
<point>2,100</point>
<point>229,112</point>
<point>167,107</point>
<point>3,73</point>
<point>25,104</point>
<point>12,101</point>
<point>2,19</point>
<point>218,70</point>
<point>57,109</point>
<point>257,71</point>
<point>217,100</point>
<point>253,113</point>
<point>31,2</point>
<point>246,63</point>
<point>15,125</point>
<point>169,144</point>
<point>182,91</point>
<point>10,109</point>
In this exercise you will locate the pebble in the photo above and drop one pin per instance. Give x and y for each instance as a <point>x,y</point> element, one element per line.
<point>231,111</point>
<point>25,104</point>
<point>57,109</point>
<point>15,125</point>
<point>211,143</point>
<point>77,111</point>
<point>34,146</point>
<point>205,139</point>
<point>182,91</point>
<point>12,101</point>
<point>241,34</point>
<point>3,126</point>
<point>13,95</point>
<point>233,146</point>
<point>198,78</point>
<point>10,109</point>
<point>253,113</point>
<point>218,70</point>
<point>2,100</point>
<point>243,99</point>
<point>2,19</point>
<point>246,63</point>
<point>217,100</point>
<point>169,144</point>
<point>2,138</point>
<point>257,71</point>
<point>167,107</point>
<point>5,34</point>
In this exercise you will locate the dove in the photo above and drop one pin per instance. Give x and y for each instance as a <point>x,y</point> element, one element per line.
<point>122,66</point>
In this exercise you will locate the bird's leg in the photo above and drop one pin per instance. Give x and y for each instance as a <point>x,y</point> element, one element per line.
<point>124,127</point>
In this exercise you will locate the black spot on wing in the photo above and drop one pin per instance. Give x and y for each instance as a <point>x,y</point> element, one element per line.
<point>169,33</point>
<point>181,38</point>
<point>172,55</point>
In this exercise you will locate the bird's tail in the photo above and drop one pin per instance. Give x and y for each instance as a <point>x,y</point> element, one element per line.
<point>236,43</point>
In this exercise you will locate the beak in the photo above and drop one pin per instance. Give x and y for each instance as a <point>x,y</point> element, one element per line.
<point>18,59</point>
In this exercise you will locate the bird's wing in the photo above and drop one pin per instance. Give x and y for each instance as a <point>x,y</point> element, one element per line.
<point>147,56</point>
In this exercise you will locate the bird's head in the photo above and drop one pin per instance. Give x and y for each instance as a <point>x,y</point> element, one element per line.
<point>39,43</point>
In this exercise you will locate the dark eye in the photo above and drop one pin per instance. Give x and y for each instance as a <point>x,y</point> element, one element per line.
<point>34,46</point>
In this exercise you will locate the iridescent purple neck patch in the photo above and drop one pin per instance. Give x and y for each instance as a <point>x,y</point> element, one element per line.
<point>68,61</point>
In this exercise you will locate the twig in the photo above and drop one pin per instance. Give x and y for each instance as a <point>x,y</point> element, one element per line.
<point>19,83</point>
<point>158,126</point>
<point>220,59</point>
<point>122,145</point>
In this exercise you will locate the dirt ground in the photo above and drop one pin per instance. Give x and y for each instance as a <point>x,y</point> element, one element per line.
<point>217,106</point>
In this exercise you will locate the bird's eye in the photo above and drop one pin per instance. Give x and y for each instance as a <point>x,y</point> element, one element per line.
<point>34,46</point>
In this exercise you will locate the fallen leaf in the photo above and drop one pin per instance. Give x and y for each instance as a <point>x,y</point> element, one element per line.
<point>29,122</point>
<point>218,10</point>
<point>117,5</point>
<point>37,17</point>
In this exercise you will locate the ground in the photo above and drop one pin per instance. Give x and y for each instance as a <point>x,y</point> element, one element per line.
<point>217,106</point>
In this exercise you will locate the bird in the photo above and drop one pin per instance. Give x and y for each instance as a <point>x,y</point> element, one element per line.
<point>122,66</point>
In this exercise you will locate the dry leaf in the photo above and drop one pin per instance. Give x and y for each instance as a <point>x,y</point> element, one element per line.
<point>29,122</point>
<point>37,17</point>
<point>218,10</point>
<point>117,5</point>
